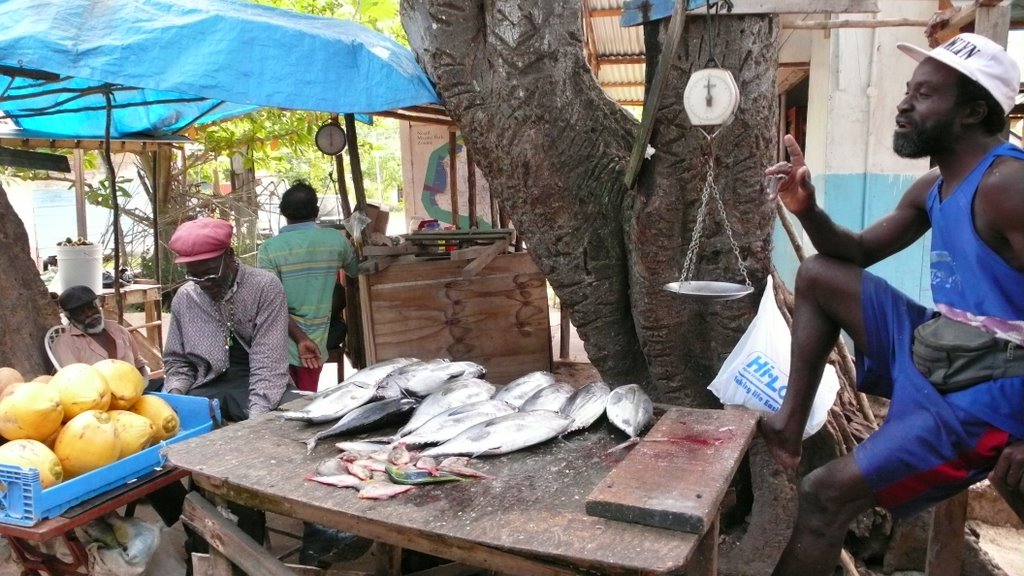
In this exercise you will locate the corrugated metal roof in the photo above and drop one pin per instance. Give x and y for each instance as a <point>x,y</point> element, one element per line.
<point>616,54</point>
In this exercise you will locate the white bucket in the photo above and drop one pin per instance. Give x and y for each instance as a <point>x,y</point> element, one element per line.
<point>80,265</point>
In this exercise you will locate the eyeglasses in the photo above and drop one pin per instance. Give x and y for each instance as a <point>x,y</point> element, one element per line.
<point>209,278</point>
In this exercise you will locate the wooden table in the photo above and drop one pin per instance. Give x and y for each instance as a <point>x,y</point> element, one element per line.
<point>528,520</point>
<point>149,295</point>
<point>35,562</point>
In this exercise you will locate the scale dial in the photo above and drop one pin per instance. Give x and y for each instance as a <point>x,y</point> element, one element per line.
<point>711,97</point>
<point>330,139</point>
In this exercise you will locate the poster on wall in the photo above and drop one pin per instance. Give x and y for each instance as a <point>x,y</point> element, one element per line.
<point>427,182</point>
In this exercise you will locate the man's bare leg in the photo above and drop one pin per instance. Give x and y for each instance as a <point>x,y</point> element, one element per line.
<point>830,498</point>
<point>827,299</point>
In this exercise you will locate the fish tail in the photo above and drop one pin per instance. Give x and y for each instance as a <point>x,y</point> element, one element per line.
<point>310,444</point>
<point>625,444</point>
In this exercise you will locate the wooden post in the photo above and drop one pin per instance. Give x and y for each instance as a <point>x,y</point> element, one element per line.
<point>83,230</point>
<point>471,184</point>
<point>353,305</point>
<point>228,540</point>
<point>946,537</point>
<point>565,331</point>
<point>453,174</point>
<point>339,168</point>
<point>356,165</point>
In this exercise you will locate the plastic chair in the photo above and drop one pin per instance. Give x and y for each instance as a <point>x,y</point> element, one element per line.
<point>49,339</point>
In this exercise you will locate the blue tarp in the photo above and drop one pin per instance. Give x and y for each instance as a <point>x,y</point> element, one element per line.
<point>217,58</point>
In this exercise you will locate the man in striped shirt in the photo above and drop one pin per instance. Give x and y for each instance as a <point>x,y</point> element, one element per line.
<point>307,258</point>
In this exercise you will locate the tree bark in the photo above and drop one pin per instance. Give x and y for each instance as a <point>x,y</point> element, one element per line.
<point>554,148</point>
<point>29,311</point>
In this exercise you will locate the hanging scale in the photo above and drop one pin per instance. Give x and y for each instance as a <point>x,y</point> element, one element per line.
<point>710,99</point>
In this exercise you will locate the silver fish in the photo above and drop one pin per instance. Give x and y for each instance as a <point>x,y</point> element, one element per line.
<point>425,382</point>
<point>365,417</point>
<point>450,395</point>
<point>398,378</point>
<point>451,422</point>
<point>517,391</point>
<point>586,405</point>
<point>361,447</point>
<point>379,490</point>
<point>504,434</point>
<point>339,480</point>
<point>330,467</point>
<point>630,409</point>
<point>551,397</point>
<point>372,374</point>
<point>344,399</point>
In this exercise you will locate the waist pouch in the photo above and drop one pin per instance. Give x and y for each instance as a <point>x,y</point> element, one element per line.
<point>954,355</point>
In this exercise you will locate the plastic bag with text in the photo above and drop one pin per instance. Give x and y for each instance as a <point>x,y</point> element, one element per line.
<point>756,373</point>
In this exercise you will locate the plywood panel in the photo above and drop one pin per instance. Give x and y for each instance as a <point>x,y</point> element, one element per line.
<point>425,309</point>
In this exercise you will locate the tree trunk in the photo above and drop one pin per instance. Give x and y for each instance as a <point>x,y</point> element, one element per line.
<point>554,148</point>
<point>29,312</point>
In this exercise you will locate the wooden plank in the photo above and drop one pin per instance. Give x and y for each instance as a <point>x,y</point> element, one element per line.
<point>201,565</point>
<point>453,175</point>
<point>658,9</point>
<point>485,258</point>
<point>228,539</point>
<point>676,476</point>
<point>675,32</point>
<point>946,537</point>
<point>705,558</point>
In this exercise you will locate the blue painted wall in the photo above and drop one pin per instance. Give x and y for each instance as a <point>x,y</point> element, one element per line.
<point>855,201</point>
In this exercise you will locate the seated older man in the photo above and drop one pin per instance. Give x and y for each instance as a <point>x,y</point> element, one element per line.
<point>89,338</point>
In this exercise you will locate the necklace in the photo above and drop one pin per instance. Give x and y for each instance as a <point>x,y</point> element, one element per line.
<point>227,323</point>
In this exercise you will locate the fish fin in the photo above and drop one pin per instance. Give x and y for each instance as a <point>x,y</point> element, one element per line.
<point>310,444</point>
<point>625,444</point>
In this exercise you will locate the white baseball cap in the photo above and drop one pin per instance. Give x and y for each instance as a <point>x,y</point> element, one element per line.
<point>981,60</point>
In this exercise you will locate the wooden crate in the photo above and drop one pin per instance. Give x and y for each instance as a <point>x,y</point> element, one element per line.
<point>426,309</point>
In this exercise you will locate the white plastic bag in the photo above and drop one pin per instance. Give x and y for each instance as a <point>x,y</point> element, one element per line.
<point>756,373</point>
<point>119,546</point>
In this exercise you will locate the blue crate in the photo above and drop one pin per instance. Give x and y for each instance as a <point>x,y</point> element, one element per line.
<point>24,502</point>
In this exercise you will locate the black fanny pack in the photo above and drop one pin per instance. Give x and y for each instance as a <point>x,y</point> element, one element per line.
<point>954,355</point>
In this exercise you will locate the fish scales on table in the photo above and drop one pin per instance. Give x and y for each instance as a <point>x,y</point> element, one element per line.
<point>630,409</point>
<point>451,422</point>
<point>517,391</point>
<point>457,393</point>
<point>586,405</point>
<point>342,400</point>
<point>551,397</point>
<point>366,417</point>
<point>430,379</point>
<point>504,434</point>
<point>373,374</point>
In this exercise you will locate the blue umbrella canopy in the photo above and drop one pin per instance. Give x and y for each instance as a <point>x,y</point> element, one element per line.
<point>165,65</point>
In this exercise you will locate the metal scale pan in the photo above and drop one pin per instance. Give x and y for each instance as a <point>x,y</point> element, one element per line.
<point>708,290</point>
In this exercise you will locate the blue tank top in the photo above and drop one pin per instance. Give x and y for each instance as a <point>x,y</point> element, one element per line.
<point>970,282</point>
<point>973,284</point>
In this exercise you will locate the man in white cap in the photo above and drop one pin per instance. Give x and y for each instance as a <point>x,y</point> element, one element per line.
<point>957,388</point>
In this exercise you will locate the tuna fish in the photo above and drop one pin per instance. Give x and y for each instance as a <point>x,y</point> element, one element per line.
<point>586,405</point>
<point>451,422</point>
<point>373,374</point>
<point>342,400</point>
<point>504,434</point>
<point>457,393</point>
<point>551,397</point>
<point>365,417</point>
<point>517,391</point>
<point>630,410</point>
<point>425,382</point>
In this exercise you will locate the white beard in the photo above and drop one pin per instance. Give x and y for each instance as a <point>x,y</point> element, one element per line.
<point>91,327</point>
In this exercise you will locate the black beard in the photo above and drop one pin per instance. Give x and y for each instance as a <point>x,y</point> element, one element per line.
<point>924,141</point>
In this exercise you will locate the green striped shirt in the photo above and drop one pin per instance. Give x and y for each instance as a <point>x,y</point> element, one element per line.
<point>307,258</point>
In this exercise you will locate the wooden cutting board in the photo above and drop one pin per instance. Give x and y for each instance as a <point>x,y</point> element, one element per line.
<point>677,475</point>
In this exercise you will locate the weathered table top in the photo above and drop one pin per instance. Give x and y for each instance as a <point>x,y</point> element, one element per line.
<point>533,509</point>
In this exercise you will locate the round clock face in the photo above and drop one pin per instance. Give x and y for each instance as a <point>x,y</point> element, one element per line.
<point>330,139</point>
<point>711,97</point>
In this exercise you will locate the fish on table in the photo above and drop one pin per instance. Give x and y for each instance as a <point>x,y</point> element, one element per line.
<point>340,401</point>
<point>451,422</point>
<point>504,434</point>
<point>586,405</point>
<point>630,409</point>
<point>452,394</point>
<point>517,391</point>
<point>366,417</point>
<point>436,374</point>
<point>551,397</point>
<point>372,374</point>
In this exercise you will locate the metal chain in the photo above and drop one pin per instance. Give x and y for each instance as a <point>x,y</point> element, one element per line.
<point>710,189</point>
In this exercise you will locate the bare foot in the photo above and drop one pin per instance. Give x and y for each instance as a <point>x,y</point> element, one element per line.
<point>785,453</point>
